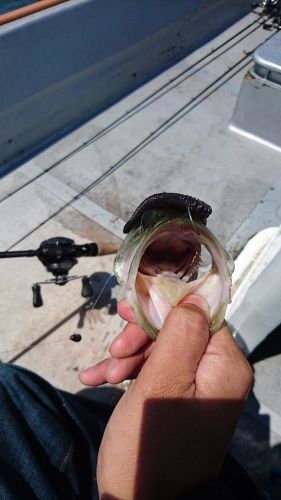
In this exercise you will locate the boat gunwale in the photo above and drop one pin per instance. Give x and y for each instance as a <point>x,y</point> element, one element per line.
<point>15,14</point>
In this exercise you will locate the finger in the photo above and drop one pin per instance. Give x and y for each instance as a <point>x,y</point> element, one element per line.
<point>114,371</point>
<point>96,375</point>
<point>223,343</point>
<point>185,333</point>
<point>177,351</point>
<point>128,342</point>
<point>127,368</point>
<point>125,311</point>
<point>226,367</point>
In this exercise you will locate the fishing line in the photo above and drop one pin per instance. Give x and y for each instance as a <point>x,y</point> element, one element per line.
<point>103,288</point>
<point>74,337</point>
<point>154,96</point>
<point>190,217</point>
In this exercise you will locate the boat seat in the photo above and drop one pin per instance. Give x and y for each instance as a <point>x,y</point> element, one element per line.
<point>257,111</point>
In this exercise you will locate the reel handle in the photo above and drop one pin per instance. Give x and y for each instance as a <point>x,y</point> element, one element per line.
<point>37,297</point>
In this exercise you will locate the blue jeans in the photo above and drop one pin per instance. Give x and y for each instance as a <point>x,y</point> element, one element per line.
<point>49,442</point>
<point>49,439</point>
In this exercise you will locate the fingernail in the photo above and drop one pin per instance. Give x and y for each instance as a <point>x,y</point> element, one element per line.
<point>198,302</point>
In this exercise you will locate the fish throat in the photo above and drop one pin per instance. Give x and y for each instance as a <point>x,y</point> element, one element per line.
<point>174,253</point>
<point>170,268</point>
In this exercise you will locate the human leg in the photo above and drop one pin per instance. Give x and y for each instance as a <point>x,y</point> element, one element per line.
<point>49,439</point>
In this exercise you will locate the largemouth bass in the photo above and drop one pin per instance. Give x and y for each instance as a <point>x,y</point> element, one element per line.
<point>169,253</point>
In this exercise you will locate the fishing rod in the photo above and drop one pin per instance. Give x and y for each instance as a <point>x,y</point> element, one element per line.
<point>58,255</point>
<point>148,100</point>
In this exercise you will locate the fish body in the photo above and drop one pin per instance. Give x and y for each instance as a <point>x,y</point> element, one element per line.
<point>160,260</point>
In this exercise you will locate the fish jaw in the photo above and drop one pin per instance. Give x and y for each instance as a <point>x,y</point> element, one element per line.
<point>152,297</point>
<point>159,294</point>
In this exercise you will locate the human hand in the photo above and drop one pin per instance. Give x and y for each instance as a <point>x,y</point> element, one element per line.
<point>129,350</point>
<point>171,429</point>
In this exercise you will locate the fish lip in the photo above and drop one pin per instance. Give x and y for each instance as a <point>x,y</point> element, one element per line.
<point>128,259</point>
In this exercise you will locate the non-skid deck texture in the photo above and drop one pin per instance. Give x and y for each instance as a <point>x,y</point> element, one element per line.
<point>169,135</point>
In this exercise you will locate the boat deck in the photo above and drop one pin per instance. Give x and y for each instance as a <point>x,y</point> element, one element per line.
<point>169,135</point>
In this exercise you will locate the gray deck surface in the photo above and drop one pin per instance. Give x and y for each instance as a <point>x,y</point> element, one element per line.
<point>169,135</point>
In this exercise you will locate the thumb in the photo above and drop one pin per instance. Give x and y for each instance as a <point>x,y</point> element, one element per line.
<point>179,347</point>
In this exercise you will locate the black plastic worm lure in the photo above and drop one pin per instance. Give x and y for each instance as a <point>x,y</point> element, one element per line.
<point>197,209</point>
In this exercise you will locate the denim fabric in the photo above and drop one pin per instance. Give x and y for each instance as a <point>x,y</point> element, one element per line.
<point>49,439</point>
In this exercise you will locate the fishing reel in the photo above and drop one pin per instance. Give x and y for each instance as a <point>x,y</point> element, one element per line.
<point>272,8</point>
<point>59,255</point>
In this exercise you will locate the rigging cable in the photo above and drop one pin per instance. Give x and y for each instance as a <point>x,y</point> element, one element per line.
<point>154,96</point>
<point>174,118</point>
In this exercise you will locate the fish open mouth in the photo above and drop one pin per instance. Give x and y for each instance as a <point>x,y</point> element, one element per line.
<point>174,253</point>
<point>169,253</point>
<point>181,258</point>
